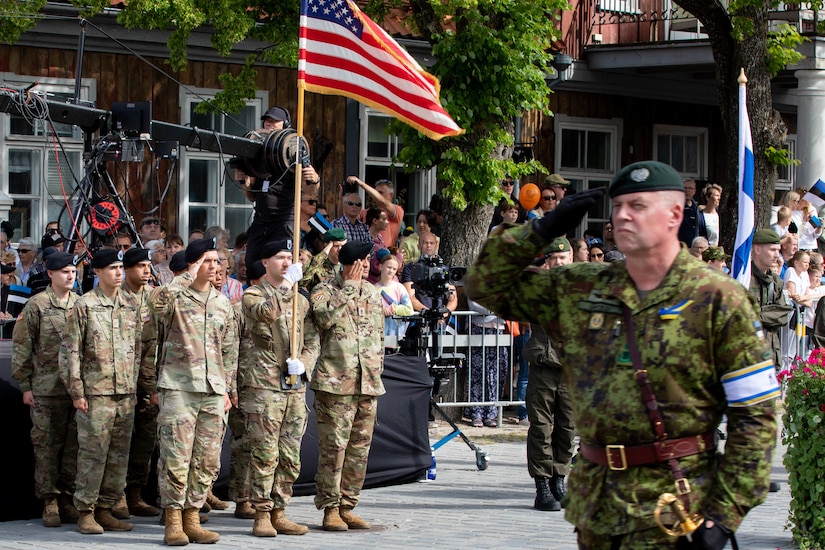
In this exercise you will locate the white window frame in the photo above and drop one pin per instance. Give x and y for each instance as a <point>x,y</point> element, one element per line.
<point>189,96</point>
<point>619,6</point>
<point>686,131</point>
<point>45,147</point>
<point>421,182</point>
<point>786,184</point>
<point>614,128</point>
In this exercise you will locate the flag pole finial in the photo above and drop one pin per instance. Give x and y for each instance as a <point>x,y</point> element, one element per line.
<point>742,78</point>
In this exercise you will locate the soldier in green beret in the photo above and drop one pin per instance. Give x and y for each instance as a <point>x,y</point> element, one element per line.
<point>657,328</point>
<point>767,289</point>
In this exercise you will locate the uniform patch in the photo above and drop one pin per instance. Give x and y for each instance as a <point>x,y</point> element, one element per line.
<point>751,385</point>
<point>673,312</point>
<point>596,321</point>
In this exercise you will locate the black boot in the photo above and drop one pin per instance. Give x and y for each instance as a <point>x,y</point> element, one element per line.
<point>559,488</point>
<point>545,500</point>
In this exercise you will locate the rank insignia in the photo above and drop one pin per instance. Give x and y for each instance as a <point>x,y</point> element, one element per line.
<point>596,321</point>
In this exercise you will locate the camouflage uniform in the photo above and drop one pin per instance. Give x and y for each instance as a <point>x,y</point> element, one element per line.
<point>551,432</point>
<point>685,351</point>
<point>773,307</point>
<point>146,414</point>
<point>97,361</point>
<point>347,383</point>
<point>239,474</point>
<point>37,336</point>
<point>317,270</point>
<point>198,359</point>
<point>276,417</point>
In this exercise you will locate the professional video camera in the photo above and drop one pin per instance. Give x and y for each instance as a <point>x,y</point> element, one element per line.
<point>431,276</point>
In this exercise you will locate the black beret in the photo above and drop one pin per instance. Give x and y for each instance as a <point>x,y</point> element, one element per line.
<point>766,236</point>
<point>5,268</point>
<point>52,240</point>
<point>648,175</point>
<point>106,256</point>
<point>134,256</point>
<point>256,270</point>
<point>354,250</point>
<point>199,247</point>
<point>59,260</point>
<point>178,262</point>
<point>273,247</point>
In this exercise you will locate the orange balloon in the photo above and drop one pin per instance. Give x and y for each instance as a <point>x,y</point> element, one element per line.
<point>529,195</point>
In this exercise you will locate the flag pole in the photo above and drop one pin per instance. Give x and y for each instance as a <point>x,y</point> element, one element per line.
<point>296,228</point>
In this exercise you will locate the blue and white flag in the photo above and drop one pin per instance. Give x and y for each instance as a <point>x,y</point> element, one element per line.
<point>744,231</point>
<point>816,194</point>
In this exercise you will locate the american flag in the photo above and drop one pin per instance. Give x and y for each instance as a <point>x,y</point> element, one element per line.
<point>343,52</point>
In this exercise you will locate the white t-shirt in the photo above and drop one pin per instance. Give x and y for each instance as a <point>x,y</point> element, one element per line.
<point>712,227</point>
<point>801,281</point>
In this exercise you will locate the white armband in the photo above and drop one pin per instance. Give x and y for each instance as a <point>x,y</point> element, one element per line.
<point>751,385</point>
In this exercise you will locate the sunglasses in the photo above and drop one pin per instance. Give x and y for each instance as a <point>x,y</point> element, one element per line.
<point>350,203</point>
<point>508,183</point>
<point>313,202</point>
<point>23,250</point>
<point>549,198</point>
<point>124,246</point>
<point>597,255</point>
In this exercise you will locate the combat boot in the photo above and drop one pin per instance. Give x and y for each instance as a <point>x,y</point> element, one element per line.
<point>65,505</point>
<point>214,502</point>
<point>244,510</point>
<point>545,500</point>
<point>196,533</point>
<point>286,526</point>
<point>173,534</point>
<point>121,509</point>
<point>109,522</point>
<point>352,520</point>
<point>263,525</point>
<point>138,506</point>
<point>51,513</point>
<point>333,521</point>
<point>559,488</point>
<point>87,525</point>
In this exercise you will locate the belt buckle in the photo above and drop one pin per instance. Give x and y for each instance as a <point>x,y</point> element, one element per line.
<point>609,450</point>
<point>682,486</point>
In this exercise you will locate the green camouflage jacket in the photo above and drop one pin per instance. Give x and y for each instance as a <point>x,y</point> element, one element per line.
<point>37,336</point>
<point>695,327</point>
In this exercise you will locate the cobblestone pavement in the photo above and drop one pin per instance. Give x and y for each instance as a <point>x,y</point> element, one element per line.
<point>462,508</point>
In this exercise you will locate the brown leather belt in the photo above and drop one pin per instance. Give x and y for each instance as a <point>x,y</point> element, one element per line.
<point>620,457</point>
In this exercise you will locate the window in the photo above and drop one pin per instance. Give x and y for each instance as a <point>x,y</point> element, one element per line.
<point>208,193</point>
<point>38,174</point>
<point>682,147</point>
<point>378,149</point>
<point>587,153</point>
<point>619,6</point>
<point>786,175</point>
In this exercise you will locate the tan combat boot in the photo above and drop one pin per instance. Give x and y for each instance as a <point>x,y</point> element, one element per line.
<point>244,510</point>
<point>109,522</point>
<point>138,506</point>
<point>121,509</point>
<point>51,513</point>
<point>65,505</point>
<point>196,533</point>
<point>87,525</point>
<point>173,534</point>
<point>353,521</point>
<point>333,521</point>
<point>214,502</point>
<point>286,526</point>
<point>203,517</point>
<point>263,525</point>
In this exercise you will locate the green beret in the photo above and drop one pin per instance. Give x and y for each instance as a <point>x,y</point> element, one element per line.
<point>715,253</point>
<point>334,234</point>
<point>555,179</point>
<point>559,244</point>
<point>648,175</point>
<point>766,236</point>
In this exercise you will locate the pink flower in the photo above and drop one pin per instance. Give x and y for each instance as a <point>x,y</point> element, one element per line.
<point>805,392</point>
<point>822,407</point>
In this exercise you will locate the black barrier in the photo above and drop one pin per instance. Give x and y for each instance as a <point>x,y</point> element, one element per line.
<point>400,451</point>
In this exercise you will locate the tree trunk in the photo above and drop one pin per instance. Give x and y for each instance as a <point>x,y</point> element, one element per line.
<point>464,233</point>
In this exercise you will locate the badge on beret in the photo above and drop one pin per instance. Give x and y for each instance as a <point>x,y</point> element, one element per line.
<point>120,255</point>
<point>149,254</point>
<point>596,321</point>
<point>640,174</point>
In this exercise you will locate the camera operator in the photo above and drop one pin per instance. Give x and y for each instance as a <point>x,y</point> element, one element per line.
<point>429,255</point>
<point>273,198</point>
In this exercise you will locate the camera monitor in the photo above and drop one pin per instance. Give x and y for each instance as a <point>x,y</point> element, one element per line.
<point>132,119</point>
